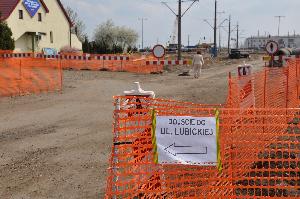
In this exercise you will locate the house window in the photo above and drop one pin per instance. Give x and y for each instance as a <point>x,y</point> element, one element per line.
<point>20,14</point>
<point>51,37</point>
<point>39,16</point>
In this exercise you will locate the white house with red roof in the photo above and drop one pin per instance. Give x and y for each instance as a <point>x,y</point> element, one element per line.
<point>38,24</point>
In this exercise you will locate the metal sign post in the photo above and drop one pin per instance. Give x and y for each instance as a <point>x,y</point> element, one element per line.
<point>272,47</point>
<point>158,52</point>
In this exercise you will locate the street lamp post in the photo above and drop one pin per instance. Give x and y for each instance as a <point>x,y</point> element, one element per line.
<point>143,19</point>
<point>279,20</point>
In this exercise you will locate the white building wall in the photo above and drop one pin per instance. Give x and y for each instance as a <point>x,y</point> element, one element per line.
<point>54,21</point>
<point>284,42</point>
<point>75,42</point>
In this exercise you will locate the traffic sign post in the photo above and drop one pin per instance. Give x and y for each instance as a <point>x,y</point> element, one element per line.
<point>158,51</point>
<point>186,140</point>
<point>272,47</point>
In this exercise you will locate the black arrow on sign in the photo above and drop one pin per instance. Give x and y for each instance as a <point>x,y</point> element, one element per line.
<point>175,148</point>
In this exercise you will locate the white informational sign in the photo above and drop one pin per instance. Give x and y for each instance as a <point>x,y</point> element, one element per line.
<point>49,51</point>
<point>186,140</point>
<point>159,51</point>
<point>272,47</point>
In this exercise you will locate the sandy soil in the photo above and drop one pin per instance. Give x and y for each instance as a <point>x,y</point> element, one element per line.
<point>57,145</point>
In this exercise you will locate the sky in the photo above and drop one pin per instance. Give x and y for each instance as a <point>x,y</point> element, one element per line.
<point>253,16</point>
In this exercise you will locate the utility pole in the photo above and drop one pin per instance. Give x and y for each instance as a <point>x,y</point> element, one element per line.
<point>215,31</point>
<point>188,40</point>
<point>179,30</point>
<point>215,28</point>
<point>220,33</point>
<point>237,35</point>
<point>143,19</point>
<point>229,34</point>
<point>179,17</point>
<point>279,21</point>
<point>219,39</point>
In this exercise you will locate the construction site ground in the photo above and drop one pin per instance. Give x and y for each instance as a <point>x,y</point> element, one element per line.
<point>58,145</point>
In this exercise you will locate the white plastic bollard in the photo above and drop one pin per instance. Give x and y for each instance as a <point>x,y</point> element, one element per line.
<point>139,92</point>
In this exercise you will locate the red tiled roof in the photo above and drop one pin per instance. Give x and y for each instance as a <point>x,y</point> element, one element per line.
<point>8,6</point>
<point>65,12</point>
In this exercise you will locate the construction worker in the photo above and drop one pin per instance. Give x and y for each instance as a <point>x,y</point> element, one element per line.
<point>198,62</point>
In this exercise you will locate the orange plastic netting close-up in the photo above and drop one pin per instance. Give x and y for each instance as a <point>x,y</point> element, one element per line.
<point>259,150</point>
<point>259,143</point>
<point>25,76</point>
<point>269,88</point>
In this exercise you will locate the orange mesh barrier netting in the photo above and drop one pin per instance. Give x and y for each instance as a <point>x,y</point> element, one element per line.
<point>135,66</point>
<point>25,76</point>
<point>259,148</point>
<point>96,62</point>
<point>6,51</point>
<point>270,88</point>
<point>114,63</point>
<point>10,54</point>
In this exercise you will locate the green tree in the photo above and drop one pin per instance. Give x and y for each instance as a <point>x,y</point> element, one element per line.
<point>86,46</point>
<point>6,40</point>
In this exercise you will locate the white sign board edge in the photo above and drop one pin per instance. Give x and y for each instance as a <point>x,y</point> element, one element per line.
<point>186,140</point>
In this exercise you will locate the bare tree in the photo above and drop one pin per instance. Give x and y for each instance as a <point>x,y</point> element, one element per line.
<point>78,25</point>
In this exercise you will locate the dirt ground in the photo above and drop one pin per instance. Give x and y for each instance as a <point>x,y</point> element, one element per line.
<point>57,145</point>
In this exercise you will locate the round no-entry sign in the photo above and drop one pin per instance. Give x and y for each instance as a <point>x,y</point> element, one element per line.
<point>272,47</point>
<point>159,51</point>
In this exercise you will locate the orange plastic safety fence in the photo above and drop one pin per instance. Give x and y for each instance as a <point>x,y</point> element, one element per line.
<point>260,151</point>
<point>107,62</point>
<point>135,66</point>
<point>26,76</point>
<point>10,54</point>
<point>6,51</point>
<point>270,88</point>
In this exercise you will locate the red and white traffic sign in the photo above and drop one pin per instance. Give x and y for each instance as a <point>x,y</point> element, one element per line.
<point>159,51</point>
<point>272,47</point>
